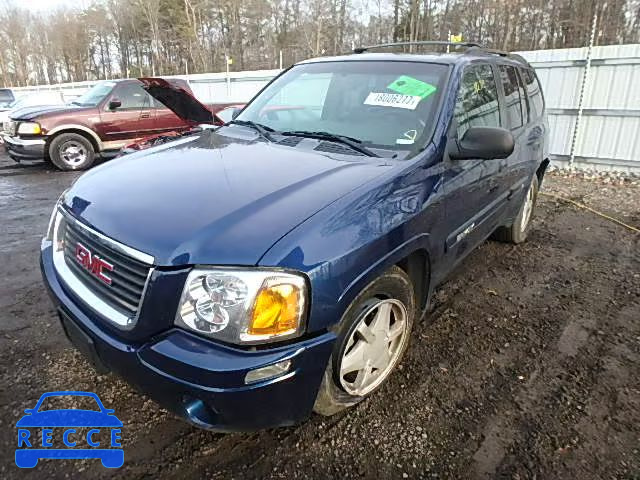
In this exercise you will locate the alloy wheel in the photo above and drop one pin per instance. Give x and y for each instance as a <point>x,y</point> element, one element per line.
<point>73,153</point>
<point>374,347</point>
<point>527,209</point>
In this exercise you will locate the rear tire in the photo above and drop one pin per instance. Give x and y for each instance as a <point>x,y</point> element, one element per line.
<point>518,231</point>
<point>372,337</point>
<point>71,151</point>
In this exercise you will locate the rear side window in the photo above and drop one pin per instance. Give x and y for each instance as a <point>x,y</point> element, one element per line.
<point>477,102</point>
<point>534,92</point>
<point>512,96</point>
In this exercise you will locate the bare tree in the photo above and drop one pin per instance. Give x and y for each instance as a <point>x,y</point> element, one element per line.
<point>117,38</point>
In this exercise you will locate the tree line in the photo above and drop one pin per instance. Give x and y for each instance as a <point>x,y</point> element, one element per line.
<point>130,38</point>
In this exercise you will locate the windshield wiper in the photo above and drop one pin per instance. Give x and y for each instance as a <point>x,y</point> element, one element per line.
<point>353,143</point>
<point>263,130</point>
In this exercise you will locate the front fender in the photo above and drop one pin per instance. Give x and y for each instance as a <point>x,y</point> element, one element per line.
<point>70,127</point>
<point>419,243</point>
<point>352,241</point>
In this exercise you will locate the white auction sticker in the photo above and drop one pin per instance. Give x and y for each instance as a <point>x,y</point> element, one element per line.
<point>394,100</point>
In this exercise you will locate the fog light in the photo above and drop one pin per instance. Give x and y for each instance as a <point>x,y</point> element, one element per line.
<point>270,371</point>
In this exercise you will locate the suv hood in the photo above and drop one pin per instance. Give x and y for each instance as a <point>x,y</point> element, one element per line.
<point>34,112</point>
<point>220,197</point>
<point>178,100</point>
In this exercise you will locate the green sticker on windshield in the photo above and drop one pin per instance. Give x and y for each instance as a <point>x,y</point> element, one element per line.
<point>412,86</point>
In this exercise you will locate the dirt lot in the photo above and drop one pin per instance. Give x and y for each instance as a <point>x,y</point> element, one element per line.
<point>528,367</point>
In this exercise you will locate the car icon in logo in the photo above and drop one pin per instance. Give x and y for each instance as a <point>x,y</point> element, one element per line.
<point>37,429</point>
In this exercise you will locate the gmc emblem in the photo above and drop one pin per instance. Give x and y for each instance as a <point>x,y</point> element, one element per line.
<point>93,263</point>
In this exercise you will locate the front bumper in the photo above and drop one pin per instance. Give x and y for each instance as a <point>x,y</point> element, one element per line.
<point>22,148</point>
<point>197,379</point>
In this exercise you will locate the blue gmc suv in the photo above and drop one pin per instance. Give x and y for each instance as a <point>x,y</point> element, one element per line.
<point>248,275</point>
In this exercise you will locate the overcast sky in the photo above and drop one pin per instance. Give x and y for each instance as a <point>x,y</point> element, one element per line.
<point>44,5</point>
<point>362,7</point>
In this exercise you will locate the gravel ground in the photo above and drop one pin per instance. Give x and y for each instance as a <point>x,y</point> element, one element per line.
<point>528,366</point>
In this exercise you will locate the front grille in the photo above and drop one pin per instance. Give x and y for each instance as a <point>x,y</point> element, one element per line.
<point>128,277</point>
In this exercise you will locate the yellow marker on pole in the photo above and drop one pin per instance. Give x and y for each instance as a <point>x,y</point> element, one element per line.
<point>456,38</point>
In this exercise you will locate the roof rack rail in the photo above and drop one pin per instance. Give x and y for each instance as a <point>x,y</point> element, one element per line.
<point>502,53</point>
<point>493,51</point>
<point>425,42</point>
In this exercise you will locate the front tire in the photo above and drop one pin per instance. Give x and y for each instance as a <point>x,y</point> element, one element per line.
<point>371,340</point>
<point>71,151</point>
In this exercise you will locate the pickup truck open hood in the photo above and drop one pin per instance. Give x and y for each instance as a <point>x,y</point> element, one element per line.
<point>178,100</point>
<point>219,197</point>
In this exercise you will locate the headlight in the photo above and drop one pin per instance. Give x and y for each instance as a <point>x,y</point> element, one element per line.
<point>52,219</point>
<point>243,305</point>
<point>29,128</point>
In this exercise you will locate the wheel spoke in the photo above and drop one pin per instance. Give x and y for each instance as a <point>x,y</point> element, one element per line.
<point>382,319</point>
<point>396,330</point>
<point>355,359</point>
<point>362,379</point>
<point>366,332</point>
<point>383,359</point>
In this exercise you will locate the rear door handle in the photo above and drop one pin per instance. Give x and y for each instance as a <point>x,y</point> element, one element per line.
<point>145,115</point>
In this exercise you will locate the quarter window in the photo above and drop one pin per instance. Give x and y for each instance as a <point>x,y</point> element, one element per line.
<point>477,102</point>
<point>524,102</point>
<point>534,92</point>
<point>512,92</point>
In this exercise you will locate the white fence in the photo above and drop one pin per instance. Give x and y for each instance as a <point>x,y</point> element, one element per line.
<point>238,87</point>
<point>607,136</point>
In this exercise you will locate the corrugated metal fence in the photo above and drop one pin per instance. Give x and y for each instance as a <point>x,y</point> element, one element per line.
<point>208,87</point>
<point>607,136</point>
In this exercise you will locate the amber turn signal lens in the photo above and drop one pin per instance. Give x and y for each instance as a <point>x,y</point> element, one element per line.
<point>277,310</point>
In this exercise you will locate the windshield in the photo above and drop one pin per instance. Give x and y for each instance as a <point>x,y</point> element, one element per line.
<point>384,104</point>
<point>6,97</point>
<point>94,95</point>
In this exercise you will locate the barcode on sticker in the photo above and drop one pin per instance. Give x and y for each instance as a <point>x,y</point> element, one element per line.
<point>394,100</point>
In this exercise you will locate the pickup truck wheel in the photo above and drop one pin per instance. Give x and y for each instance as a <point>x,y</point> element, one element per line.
<point>70,151</point>
<point>518,231</point>
<point>371,339</point>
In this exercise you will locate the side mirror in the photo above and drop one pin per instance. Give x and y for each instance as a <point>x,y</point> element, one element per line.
<point>484,143</point>
<point>115,104</point>
<point>235,111</point>
<point>28,410</point>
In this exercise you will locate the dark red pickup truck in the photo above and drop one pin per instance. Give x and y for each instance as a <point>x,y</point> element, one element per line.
<point>108,116</point>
